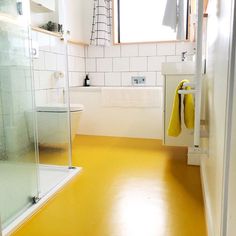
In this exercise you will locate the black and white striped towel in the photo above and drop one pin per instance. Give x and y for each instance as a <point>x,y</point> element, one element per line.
<point>102,23</point>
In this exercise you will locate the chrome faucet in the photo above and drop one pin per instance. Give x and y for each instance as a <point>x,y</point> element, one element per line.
<point>183,56</point>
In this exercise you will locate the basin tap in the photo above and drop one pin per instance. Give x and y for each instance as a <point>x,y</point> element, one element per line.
<point>183,56</point>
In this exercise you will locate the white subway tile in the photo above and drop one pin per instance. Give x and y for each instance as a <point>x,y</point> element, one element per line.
<point>164,49</point>
<point>160,79</point>
<point>46,79</point>
<point>104,64</point>
<point>50,61</point>
<point>91,64</point>
<point>80,50</point>
<point>40,97</point>
<point>112,51</point>
<point>150,78</point>
<point>126,78</point>
<point>97,79</point>
<point>55,96</point>
<point>79,64</point>
<point>38,63</point>
<point>147,49</point>
<point>189,57</point>
<point>74,79</point>
<point>44,42</point>
<point>120,64</point>
<point>57,45</point>
<point>36,79</point>
<point>173,58</point>
<point>81,77</point>
<point>154,63</point>
<point>28,81</point>
<point>71,63</point>
<point>86,51</point>
<point>185,46</point>
<point>61,63</point>
<point>34,35</point>
<point>129,50</point>
<point>76,50</point>
<point>95,51</point>
<point>113,79</point>
<point>138,64</point>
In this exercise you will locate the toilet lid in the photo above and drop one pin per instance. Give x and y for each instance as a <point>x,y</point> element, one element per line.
<point>59,108</point>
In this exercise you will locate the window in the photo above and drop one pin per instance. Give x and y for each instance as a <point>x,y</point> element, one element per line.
<point>142,20</point>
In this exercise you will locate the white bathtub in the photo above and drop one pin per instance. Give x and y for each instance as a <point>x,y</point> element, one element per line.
<point>116,119</point>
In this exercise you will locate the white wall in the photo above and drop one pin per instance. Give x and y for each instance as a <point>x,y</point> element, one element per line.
<point>88,19</point>
<point>74,15</point>
<point>217,81</point>
<point>232,171</point>
<point>232,178</point>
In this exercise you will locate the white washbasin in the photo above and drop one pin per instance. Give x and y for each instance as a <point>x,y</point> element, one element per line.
<point>178,68</point>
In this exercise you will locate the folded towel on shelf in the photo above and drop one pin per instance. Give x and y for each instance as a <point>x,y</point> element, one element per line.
<point>174,128</point>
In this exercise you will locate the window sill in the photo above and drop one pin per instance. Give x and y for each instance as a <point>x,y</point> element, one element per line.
<point>150,42</point>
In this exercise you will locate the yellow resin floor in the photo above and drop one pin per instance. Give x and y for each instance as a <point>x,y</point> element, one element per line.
<point>128,187</point>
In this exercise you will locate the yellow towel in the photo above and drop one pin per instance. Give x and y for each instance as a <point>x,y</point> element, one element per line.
<point>174,128</point>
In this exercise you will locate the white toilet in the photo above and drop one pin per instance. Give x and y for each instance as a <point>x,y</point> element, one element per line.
<point>53,126</point>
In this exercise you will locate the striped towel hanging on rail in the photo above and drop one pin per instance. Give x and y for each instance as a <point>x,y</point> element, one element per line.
<point>102,23</point>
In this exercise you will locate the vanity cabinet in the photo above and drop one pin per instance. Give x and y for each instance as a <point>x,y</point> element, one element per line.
<point>173,74</point>
<point>41,6</point>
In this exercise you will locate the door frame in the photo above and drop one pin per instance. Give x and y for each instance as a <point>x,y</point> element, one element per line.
<point>231,103</point>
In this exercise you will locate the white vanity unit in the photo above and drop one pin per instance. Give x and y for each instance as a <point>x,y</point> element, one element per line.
<point>174,73</point>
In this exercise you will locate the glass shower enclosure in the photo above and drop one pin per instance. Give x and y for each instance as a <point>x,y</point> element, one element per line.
<point>18,156</point>
<point>27,126</point>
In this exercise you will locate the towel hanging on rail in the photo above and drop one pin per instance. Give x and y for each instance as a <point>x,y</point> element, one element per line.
<point>174,128</point>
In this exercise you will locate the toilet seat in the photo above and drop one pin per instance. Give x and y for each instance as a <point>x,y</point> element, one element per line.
<point>60,108</point>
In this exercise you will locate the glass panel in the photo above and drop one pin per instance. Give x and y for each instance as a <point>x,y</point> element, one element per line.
<point>18,165</point>
<point>52,102</point>
<point>8,7</point>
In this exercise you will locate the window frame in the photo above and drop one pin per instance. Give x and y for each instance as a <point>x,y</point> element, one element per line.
<point>115,29</point>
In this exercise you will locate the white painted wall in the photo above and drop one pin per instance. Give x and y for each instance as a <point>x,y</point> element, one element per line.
<point>217,80</point>
<point>74,14</point>
<point>232,173</point>
<point>88,19</point>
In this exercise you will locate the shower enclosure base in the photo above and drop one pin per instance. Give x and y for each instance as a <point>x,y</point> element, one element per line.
<point>52,179</point>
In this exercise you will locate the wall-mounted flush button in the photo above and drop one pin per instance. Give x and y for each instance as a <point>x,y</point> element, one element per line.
<point>138,80</point>
<point>35,50</point>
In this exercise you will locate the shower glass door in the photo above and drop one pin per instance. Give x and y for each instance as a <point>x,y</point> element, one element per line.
<point>18,159</point>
